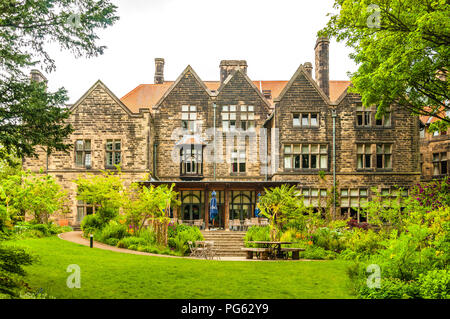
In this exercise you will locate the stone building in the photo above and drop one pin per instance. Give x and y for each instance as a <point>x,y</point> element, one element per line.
<point>238,136</point>
<point>434,150</point>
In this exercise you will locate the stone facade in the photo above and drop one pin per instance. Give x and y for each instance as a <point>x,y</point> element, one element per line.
<point>301,127</point>
<point>434,152</point>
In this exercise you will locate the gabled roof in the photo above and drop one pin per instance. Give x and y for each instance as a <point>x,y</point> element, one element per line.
<point>108,91</point>
<point>239,71</point>
<point>188,69</point>
<point>302,70</point>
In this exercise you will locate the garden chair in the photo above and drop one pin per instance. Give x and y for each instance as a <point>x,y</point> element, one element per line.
<point>236,224</point>
<point>264,222</point>
<point>247,224</point>
<point>255,221</point>
<point>196,251</point>
<point>198,223</point>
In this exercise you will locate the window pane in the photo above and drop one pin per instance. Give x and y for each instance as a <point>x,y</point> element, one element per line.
<point>305,161</point>
<point>387,161</point>
<point>314,148</point>
<point>109,159</point>
<point>296,148</point>
<point>225,116</point>
<point>87,145</point>
<point>305,119</point>
<point>241,167</point>
<point>232,116</point>
<point>387,119</point>
<point>359,118</point>
<point>117,158</point>
<point>243,108</point>
<point>232,108</point>
<point>251,116</point>
<point>314,121</point>
<point>243,116</point>
<point>251,108</point>
<point>314,161</point>
<point>323,161</point>
<point>192,116</point>
<point>360,149</point>
<point>287,149</point>
<point>118,145</point>
<point>305,149</point>
<point>323,149</point>
<point>185,108</point>
<point>296,121</point>
<point>287,162</point>
<point>87,159</point>
<point>185,116</point>
<point>297,161</point>
<point>79,158</point>
<point>193,108</point>
<point>360,161</point>
<point>79,145</point>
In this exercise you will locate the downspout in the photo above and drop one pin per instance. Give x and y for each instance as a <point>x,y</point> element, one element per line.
<point>155,146</point>
<point>333,115</point>
<point>214,164</point>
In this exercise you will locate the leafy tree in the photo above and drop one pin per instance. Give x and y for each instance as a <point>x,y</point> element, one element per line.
<point>28,193</point>
<point>104,192</point>
<point>12,260</point>
<point>29,114</point>
<point>280,205</point>
<point>402,51</point>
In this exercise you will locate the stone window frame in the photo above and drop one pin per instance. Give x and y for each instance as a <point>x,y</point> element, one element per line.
<point>229,114</point>
<point>83,152</point>
<point>195,155</point>
<point>353,196</point>
<point>365,117</point>
<point>438,160</point>
<point>386,115</point>
<point>189,118</point>
<point>308,115</point>
<point>113,151</point>
<point>238,167</point>
<point>383,154</point>
<point>316,199</point>
<point>365,153</point>
<point>84,207</point>
<point>247,116</point>
<point>296,153</point>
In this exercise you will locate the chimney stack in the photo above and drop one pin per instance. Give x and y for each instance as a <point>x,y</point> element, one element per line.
<point>159,71</point>
<point>228,66</point>
<point>308,67</point>
<point>37,76</point>
<point>323,64</point>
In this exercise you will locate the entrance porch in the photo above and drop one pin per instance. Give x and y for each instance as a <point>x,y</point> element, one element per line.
<point>236,200</point>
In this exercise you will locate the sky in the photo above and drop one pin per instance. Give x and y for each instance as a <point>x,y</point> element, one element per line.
<point>274,37</point>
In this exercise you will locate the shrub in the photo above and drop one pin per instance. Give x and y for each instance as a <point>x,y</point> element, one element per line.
<point>328,239</point>
<point>90,224</point>
<point>183,237</point>
<point>113,230</point>
<point>256,233</point>
<point>435,284</point>
<point>315,252</point>
<point>148,235</point>
<point>390,288</point>
<point>112,241</point>
<point>129,241</point>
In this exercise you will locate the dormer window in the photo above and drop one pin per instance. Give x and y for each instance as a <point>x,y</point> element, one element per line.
<point>188,117</point>
<point>267,94</point>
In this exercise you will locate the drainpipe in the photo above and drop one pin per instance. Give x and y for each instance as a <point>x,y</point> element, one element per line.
<point>155,145</point>
<point>214,164</point>
<point>333,115</point>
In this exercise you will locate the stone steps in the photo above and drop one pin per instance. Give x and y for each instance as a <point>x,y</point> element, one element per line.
<point>227,243</point>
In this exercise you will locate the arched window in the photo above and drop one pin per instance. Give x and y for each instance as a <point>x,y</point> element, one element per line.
<point>191,205</point>
<point>242,204</point>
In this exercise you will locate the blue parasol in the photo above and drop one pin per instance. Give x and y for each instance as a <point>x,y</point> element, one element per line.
<point>257,210</point>
<point>213,211</point>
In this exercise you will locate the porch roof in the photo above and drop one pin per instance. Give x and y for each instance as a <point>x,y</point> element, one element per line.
<point>222,184</point>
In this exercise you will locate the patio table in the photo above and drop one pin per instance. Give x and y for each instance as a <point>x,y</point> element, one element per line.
<point>274,245</point>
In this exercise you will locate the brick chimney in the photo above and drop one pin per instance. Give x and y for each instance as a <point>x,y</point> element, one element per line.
<point>37,76</point>
<point>159,71</point>
<point>228,66</point>
<point>323,64</point>
<point>308,67</point>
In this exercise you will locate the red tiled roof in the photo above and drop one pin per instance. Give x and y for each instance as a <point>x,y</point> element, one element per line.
<point>147,95</point>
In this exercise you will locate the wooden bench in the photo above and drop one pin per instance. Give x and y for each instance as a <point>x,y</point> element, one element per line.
<point>262,252</point>
<point>295,252</point>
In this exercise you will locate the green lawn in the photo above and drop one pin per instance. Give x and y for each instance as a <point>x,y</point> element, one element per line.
<point>106,274</point>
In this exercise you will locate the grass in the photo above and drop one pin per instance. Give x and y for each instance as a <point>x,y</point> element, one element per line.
<point>107,274</point>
